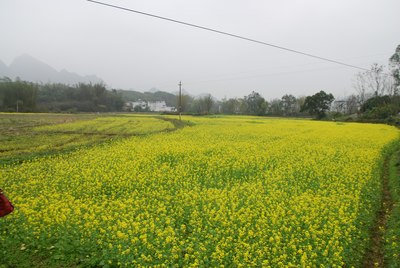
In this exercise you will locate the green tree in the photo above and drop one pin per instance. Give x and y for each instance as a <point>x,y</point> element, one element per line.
<point>317,104</point>
<point>289,104</point>
<point>231,106</point>
<point>374,102</point>
<point>17,96</point>
<point>186,101</point>
<point>80,98</point>
<point>275,107</point>
<point>255,104</point>
<point>207,103</point>
<point>202,105</point>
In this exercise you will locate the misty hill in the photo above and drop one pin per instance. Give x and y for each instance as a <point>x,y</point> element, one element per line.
<point>169,98</point>
<point>31,69</point>
<point>3,68</point>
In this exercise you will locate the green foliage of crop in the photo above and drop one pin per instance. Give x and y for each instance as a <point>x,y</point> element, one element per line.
<point>232,191</point>
<point>27,136</point>
<point>392,233</point>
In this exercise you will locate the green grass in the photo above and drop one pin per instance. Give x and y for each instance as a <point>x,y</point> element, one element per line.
<point>392,234</point>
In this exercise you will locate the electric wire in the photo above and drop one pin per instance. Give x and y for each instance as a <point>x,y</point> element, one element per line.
<point>229,34</point>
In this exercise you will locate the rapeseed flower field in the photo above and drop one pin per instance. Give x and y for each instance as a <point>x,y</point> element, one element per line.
<point>118,125</point>
<point>24,136</point>
<point>225,191</point>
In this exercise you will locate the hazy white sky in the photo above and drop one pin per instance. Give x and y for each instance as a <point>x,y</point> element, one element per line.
<point>132,51</point>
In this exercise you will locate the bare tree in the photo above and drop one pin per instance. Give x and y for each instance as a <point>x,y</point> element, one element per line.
<point>360,85</point>
<point>377,80</point>
<point>300,102</point>
<point>392,89</point>
<point>374,82</point>
<point>395,66</point>
<point>352,104</point>
<point>208,102</point>
<point>339,106</point>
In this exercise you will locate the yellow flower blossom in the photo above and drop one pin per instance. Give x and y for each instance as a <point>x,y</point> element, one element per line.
<point>225,191</point>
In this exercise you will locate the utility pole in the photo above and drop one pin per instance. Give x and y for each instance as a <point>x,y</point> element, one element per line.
<point>18,102</point>
<point>180,100</point>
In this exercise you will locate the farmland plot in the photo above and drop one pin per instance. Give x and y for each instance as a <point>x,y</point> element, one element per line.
<point>233,191</point>
<point>25,136</point>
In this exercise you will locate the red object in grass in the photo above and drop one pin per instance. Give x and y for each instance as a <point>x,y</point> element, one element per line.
<point>5,205</point>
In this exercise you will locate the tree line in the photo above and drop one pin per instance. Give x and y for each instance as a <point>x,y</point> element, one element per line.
<point>255,104</point>
<point>22,96</point>
<point>378,90</point>
<point>377,98</point>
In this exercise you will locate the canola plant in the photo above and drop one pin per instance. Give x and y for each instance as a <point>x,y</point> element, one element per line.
<point>230,191</point>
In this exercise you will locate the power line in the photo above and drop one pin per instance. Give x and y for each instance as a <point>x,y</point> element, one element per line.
<point>280,67</point>
<point>252,76</point>
<point>231,35</point>
<point>264,75</point>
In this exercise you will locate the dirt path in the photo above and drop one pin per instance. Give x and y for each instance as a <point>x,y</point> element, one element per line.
<point>374,256</point>
<point>176,122</point>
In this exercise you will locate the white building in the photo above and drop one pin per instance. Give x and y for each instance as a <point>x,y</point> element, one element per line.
<point>130,105</point>
<point>153,106</point>
<point>160,106</point>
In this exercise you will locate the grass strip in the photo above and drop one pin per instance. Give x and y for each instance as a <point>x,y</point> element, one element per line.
<point>392,234</point>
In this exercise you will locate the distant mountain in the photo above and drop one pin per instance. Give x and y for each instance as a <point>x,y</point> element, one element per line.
<point>28,68</point>
<point>3,69</point>
<point>152,90</point>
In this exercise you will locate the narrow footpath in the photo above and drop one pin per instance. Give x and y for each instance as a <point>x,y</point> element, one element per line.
<point>374,256</point>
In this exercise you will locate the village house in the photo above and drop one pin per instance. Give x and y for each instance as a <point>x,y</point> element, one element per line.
<point>152,106</point>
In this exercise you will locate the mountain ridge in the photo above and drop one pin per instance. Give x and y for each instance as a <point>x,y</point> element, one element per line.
<point>32,69</point>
